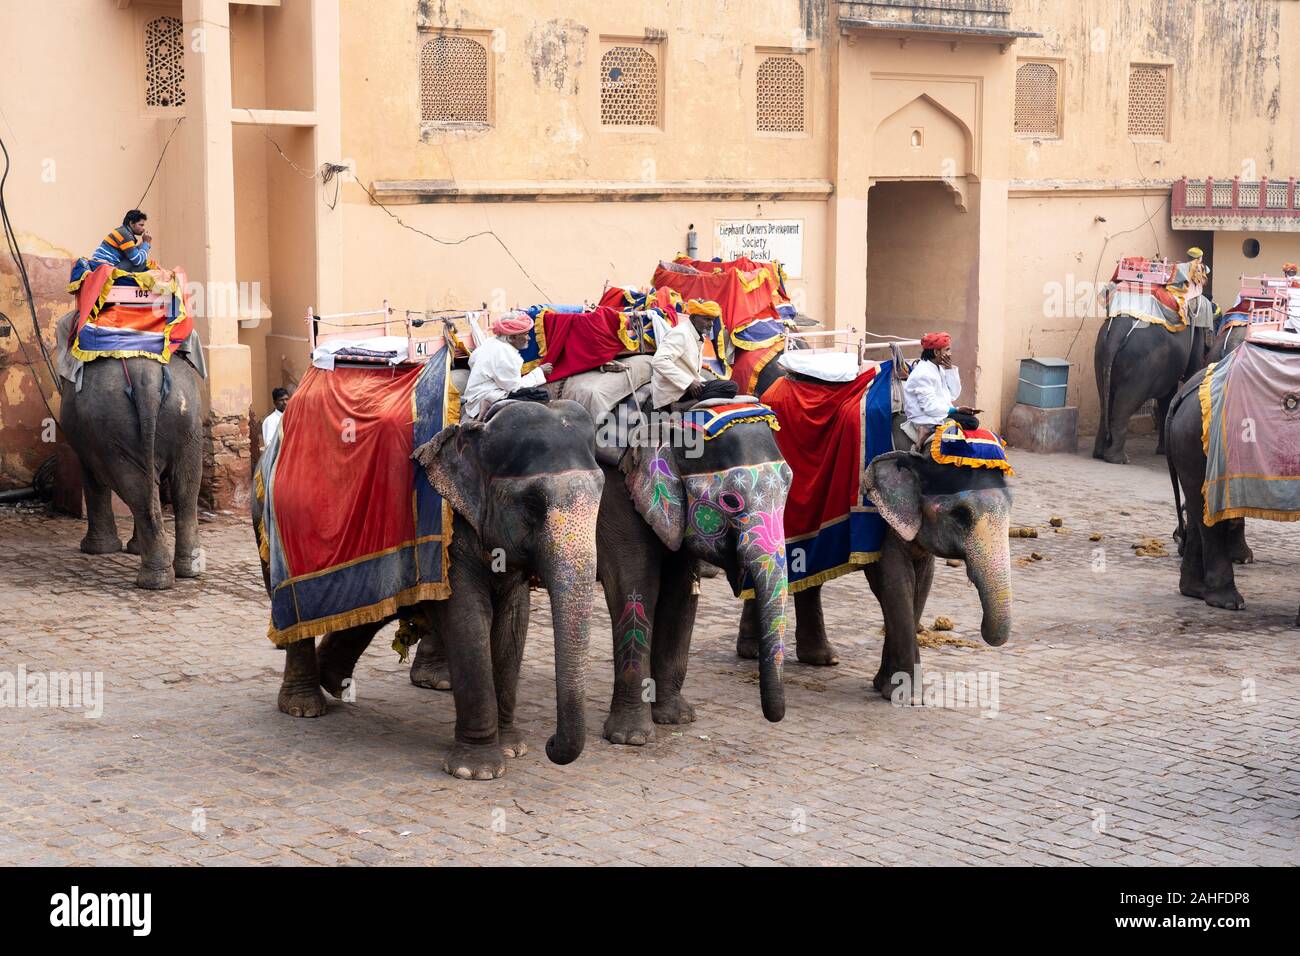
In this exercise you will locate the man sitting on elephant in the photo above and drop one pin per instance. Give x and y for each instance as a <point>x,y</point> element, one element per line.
<point>932,388</point>
<point>496,366</point>
<point>127,246</point>
<point>679,359</point>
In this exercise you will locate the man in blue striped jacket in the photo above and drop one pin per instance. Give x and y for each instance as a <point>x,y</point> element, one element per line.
<point>127,246</point>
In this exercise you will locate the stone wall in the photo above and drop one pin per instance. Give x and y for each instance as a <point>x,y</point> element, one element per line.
<point>227,463</point>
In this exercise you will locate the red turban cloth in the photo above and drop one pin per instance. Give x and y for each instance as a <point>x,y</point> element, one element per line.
<point>512,323</point>
<point>1289,267</point>
<point>936,340</point>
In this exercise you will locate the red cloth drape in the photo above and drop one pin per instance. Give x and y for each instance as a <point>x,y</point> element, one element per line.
<point>580,342</point>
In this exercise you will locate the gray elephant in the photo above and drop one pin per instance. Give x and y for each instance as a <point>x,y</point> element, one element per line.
<point>930,509</point>
<point>130,430</point>
<point>525,491</point>
<point>669,506</point>
<point>1134,362</point>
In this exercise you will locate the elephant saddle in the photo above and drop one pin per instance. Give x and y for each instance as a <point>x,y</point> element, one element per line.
<point>128,314</point>
<point>1250,433</point>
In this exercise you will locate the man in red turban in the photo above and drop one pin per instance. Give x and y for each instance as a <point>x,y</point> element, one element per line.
<point>496,367</point>
<point>931,390</point>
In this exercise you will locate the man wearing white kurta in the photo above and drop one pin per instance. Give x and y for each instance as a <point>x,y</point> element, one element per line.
<point>932,387</point>
<point>496,367</point>
<point>678,359</point>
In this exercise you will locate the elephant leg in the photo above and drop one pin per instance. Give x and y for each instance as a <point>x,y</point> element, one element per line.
<point>156,571</point>
<point>300,694</point>
<point>475,753</point>
<point>188,561</point>
<point>1216,557</point>
<point>811,644</point>
<point>1238,549</point>
<point>892,581</point>
<point>429,669</point>
<point>101,527</point>
<point>1127,400</point>
<point>924,570</point>
<point>339,651</point>
<point>674,622</point>
<point>1191,572</point>
<point>509,629</point>
<point>631,594</point>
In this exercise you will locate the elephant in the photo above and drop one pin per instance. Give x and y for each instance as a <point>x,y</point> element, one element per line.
<point>669,505</point>
<point>133,423</point>
<point>1135,362</point>
<point>1229,337</point>
<point>524,490</point>
<point>929,509</point>
<point>1208,551</point>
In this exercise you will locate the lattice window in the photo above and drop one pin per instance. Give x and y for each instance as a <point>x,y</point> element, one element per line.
<point>1037,100</point>
<point>782,95</point>
<point>1148,101</point>
<point>164,63</point>
<point>629,87</point>
<point>453,81</point>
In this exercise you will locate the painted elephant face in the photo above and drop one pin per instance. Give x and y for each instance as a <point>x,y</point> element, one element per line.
<point>726,507</point>
<point>951,512</point>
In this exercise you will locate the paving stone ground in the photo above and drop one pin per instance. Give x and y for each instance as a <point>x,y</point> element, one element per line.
<point>1132,726</point>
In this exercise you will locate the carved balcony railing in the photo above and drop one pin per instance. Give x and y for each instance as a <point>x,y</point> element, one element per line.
<point>1235,204</point>
<point>951,20</point>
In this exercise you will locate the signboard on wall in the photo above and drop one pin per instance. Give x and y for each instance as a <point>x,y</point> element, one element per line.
<point>779,239</point>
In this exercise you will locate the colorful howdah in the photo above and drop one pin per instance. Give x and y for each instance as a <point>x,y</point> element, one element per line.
<point>828,435</point>
<point>575,341</point>
<point>976,448</point>
<point>747,293</point>
<point>127,314</point>
<point>351,528</point>
<point>716,419</point>
<point>1250,432</point>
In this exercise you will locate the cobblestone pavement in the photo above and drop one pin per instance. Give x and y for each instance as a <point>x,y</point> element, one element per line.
<point>1132,725</point>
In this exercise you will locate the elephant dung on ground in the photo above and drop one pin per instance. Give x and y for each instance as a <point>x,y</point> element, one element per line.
<point>525,490</point>
<point>129,436</point>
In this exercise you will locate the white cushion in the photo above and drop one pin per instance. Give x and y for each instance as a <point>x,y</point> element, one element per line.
<point>827,366</point>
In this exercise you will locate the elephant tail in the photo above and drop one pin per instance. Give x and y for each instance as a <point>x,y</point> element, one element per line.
<point>1180,533</point>
<point>147,394</point>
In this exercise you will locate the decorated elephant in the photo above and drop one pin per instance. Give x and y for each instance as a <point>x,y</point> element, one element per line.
<point>931,510</point>
<point>134,422</point>
<point>524,489</point>
<point>1134,362</point>
<point>670,505</point>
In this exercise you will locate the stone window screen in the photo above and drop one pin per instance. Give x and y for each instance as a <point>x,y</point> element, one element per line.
<point>164,63</point>
<point>1148,101</point>
<point>629,87</point>
<point>1038,100</point>
<point>782,94</point>
<point>454,85</point>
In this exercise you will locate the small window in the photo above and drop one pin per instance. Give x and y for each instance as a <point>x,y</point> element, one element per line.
<point>164,63</point>
<point>629,87</point>
<point>1148,102</point>
<point>1038,100</point>
<point>454,81</point>
<point>1250,248</point>
<point>782,94</point>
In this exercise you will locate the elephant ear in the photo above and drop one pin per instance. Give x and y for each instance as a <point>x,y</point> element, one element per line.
<point>451,461</point>
<point>892,484</point>
<point>657,491</point>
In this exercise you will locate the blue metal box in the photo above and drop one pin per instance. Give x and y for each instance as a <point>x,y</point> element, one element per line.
<point>1043,382</point>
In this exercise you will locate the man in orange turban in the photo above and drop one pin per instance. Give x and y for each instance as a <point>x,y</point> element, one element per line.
<point>931,390</point>
<point>496,367</point>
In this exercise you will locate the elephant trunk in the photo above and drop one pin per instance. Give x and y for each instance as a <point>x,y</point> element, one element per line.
<point>767,571</point>
<point>988,565</point>
<point>567,567</point>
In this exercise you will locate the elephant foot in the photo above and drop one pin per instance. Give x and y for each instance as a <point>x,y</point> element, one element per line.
<point>1227,598</point>
<point>674,710</point>
<point>299,700</point>
<point>632,727</point>
<point>187,567</point>
<point>101,545</point>
<point>475,761</point>
<point>434,674</point>
<point>155,579</point>
<point>512,742</point>
<point>1243,555</point>
<point>890,678</point>
<point>133,546</point>
<point>1115,457</point>
<point>816,651</point>
<point>747,648</point>
<point>1191,589</point>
